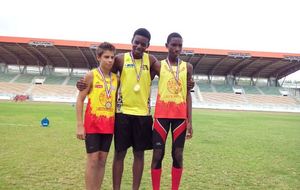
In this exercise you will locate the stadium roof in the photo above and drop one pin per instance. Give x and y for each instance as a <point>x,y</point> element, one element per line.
<point>81,54</point>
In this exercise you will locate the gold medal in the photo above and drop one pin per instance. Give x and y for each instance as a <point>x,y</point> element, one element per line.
<point>136,88</point>
<point>176,89</point>
<point>108,105</point>
<point>108,91</point>
<point>176,76</point>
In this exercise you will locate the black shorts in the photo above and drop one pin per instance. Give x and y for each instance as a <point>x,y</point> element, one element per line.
<point>161,129</point>
<point>98,142</point>
<point>132,130</point>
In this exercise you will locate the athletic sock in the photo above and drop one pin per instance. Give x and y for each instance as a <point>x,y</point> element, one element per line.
<point>176,176</point>
<point>155,176</point>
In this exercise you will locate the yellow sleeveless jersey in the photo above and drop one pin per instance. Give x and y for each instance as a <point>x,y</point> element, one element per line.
<point>171,96</point>
<point>100,110</point>
<point>130,101</point>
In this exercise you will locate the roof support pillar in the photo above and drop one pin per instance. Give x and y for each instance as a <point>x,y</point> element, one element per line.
<point>209,78</point>
<point>198,64</point>
<point>3,68</point>
<point>23,70</point>
<point>272,81</point>
<point>252,81</point>
<point>230,79</point>
<point>39,66</point>
<point>44,70</point>
<point>48,69</point>
<point>71,72</point>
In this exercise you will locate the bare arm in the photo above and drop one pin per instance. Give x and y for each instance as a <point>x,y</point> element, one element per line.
<point>154,66</point>
<point>189,133</point>
<point>88,79</point>
<point>118,63</point>
<point>80,84</point>
<point>117,90</point>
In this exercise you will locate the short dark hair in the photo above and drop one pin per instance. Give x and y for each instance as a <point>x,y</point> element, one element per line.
<point>173,35</point>
<point>105,46</point>
<point>142,32</point>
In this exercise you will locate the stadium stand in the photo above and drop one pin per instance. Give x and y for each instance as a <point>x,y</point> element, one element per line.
<point>247,99</point>
<point>223,88</point>
<point>13,88</point>
<point>222,97</point>
<point>52,79</point>
<point>25,78</point>
<point>269,90</point>
<point>251,89</point>
<point>7,77</point>
<point>204,87</point>
<point>72,81</point>
<point>223,77</point>
<point>53,90</point>
<point>271,99</point>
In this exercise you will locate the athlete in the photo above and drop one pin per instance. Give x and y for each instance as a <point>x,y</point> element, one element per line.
<point>133,127</point>
<point>98,126</point>
<point>172,111</point>
<point>133,121</point>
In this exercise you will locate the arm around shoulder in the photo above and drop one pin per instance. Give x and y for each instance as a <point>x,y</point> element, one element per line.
<point>88,79</point>
<point>190,81</point>
<point>154,66</point>
<point>189,133</point>
<point>118,63</point>
<point>189,71</point>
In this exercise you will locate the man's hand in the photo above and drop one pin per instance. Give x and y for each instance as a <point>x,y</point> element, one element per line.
<point>190,84</point>
<point>80,132</point>
<point>81,84</point>
<point>189,131</point>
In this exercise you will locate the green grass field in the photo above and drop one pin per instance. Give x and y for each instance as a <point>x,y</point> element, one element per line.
<point>229,150</point>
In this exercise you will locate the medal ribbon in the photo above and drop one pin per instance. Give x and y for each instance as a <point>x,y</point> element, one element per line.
<point>176,77</point>
<point>138,75</point>
<point>107,91</point>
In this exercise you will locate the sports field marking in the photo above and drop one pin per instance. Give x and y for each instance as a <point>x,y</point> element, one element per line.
<point>15,124</point>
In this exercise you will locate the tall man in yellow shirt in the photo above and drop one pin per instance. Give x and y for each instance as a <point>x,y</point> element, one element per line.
<point>133,122</point>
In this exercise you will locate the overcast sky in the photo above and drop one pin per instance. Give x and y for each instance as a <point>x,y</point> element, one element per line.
<point>258,25</point>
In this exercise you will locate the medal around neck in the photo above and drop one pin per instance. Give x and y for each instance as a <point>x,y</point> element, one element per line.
<point>108,91</point>
<point>108,105</point>
<point>176,90</point>
<point>136,88</point>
